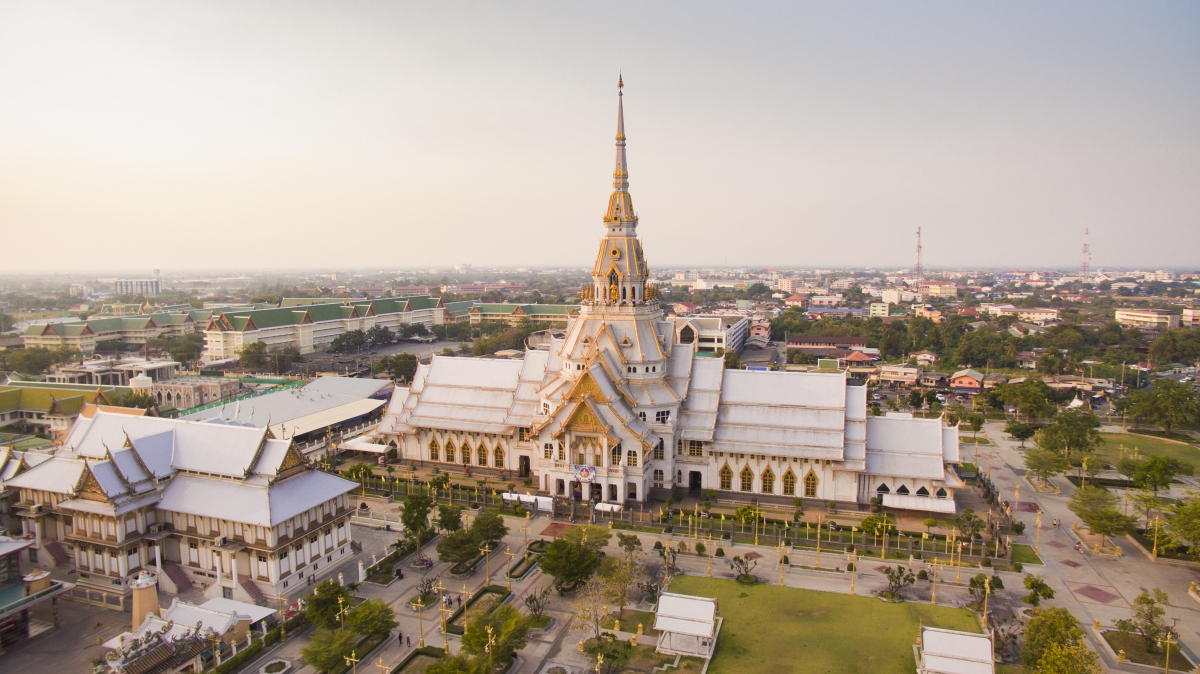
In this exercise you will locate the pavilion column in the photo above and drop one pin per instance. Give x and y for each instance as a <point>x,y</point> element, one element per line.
<point>217,564</point>
<point>233,570</point>
<point>158,557</point>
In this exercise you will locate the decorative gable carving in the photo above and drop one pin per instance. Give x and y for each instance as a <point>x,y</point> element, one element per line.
<point>583,419</point>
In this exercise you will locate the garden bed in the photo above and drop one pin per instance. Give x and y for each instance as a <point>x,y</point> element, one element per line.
<point>1135,651</point>
<point>541,622</point>
<point>418,660</point>
<point>482,602</point>
<point>537,547</point>
<point>522,567</point>
<point>465,569</point>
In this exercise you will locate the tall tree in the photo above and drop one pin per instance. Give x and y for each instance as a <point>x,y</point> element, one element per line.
<point>372,618</point>
<point>323,605</point>
<point>1097,507</point>
<point>1045,463</point>
<point>507,635</point>
<point>568,562</point>
<point>415,516</point>
<point>1072,431</point>
<point>1168,404</point>
<point>326,651</point>
<point>1047,627</point>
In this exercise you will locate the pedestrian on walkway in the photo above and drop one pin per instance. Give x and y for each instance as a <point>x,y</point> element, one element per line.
<point>460,600</point>
<point>408,641</point>
<point>400,638</point>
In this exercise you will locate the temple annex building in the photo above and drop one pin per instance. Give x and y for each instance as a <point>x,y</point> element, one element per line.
<point>624,407</point>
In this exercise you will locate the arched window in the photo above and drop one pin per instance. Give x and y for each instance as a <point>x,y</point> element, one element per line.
<point>768,482</point>
<point>483,452</point>
<point>923,492</point>
<point>612,278</point>
<point>810,485</point>
<point>499,456</point>
<point>687,335</point>
<point>615,453</point>
<point>466,453</point>
<point>726,477</point>
<point>434,450</point>
<point>902,490</point>
<point>747,479</point>
<point>883,489</point>
<point>789,483</point>
<point>941,493</point>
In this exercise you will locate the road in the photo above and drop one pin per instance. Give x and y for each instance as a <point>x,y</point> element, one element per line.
<point>1092,586</point>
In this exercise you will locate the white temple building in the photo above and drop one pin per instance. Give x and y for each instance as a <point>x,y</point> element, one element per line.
<point>228,508</point>
<point>624,407</point>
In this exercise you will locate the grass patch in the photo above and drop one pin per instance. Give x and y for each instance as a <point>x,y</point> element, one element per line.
<point>968,440</point>
<point>540,623</point>
<point>1010,669</point>
<point>634,527</point>
<point>1110,451</point>
<point>1135,651</point>
<point>1146,538</point>
<point>1024,554</point>
<point>630,619</point>
<point>969,467</point>
<point>770,629</point>
<point>1182,437</point>
<point>691,664</point>
<point>418,660</point>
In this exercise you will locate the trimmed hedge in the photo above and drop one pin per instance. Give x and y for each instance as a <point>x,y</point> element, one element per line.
<point>428,650</point>
<point>490,589</point>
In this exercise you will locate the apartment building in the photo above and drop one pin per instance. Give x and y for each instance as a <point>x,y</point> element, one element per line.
<point>144,286</point>
<point>712,332</point>
<point>1190,318</point>
<point>130,330</point>
<point>1147,319</point>
<point>312,326</point>
<point>225,507</point>
<point>938,289</point>
<point>512,314</point>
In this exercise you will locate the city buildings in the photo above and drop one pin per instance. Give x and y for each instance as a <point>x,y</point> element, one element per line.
<point>622,407</point>
<point>308,327</point>
<point>129,330</point>
<point>1152,320</point>
<point>713,332</point>
<point>512,314</point>
<point>113,371</point>
<point>145,286</point>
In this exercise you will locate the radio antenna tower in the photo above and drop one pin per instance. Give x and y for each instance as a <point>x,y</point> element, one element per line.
<point>1086,261</point>
<point>917,269</point>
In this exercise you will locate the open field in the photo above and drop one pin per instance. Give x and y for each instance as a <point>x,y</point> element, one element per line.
<point>772,629</point>
<point>1110,451</point>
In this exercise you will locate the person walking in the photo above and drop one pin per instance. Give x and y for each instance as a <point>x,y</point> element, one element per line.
<point>408,641</point>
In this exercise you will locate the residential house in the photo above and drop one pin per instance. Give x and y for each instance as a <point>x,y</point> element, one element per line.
<point>899,375</point>
<point>925,358</point>
<point>967,381</point>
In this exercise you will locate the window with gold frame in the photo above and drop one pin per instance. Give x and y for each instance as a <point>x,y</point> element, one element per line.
<point>747,479</point>
<point>726,475</point>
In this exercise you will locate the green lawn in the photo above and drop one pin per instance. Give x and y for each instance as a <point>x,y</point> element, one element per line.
<point>1024,554</point>
<point>1146,445</point>
<point>772,629</point>
<point>1010,669</point>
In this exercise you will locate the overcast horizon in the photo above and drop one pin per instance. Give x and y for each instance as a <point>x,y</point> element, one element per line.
<point>319,135</point>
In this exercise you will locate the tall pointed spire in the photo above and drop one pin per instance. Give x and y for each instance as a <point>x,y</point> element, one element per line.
<point>621,172</point>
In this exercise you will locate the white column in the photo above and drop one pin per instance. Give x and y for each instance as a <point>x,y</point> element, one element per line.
<point>233,571</point>
<point>217,563</point>
<point>158,556</point>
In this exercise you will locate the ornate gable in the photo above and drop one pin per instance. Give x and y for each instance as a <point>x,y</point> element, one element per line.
<point>584,419</point>
<point>293,462</point>
<point>586,386</point>
<point>89,488</point>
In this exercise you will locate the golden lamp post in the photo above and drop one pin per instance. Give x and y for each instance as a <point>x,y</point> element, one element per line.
<point>282,621</point>
<point>710,557</point>
<point>987,593</point>
<point>352,660</point>
<point>781,563</point>
<point>445,636</point>
<point>958,574</point>
<point>341,612</point>
<point>1166,642</point>
<point>487,561</point>
<point>934,577</point>
<point>420,620</point>
<point>818,541</point>
<point>382,667</point>
<point>854,572</point>
<point>1037,538</point>
<point>1156,536</point>
<point>510,556</point>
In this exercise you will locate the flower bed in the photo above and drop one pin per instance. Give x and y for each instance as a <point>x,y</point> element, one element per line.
<point>1135,651</point>
<point>522,567</point>
<point>539,546</point>
<point>482,602</point>
<point>416,661</point>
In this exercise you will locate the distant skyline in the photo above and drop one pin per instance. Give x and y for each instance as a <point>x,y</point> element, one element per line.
<point>380,135</point>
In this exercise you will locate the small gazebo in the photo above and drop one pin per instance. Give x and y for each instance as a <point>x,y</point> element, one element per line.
<point>687,625</point>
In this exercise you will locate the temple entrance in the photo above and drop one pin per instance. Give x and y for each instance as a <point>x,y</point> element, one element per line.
<point>694,481</point>
<point>577,490</point>
<point>523,466</point>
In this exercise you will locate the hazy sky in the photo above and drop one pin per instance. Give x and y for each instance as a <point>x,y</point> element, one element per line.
<point>399,135</point>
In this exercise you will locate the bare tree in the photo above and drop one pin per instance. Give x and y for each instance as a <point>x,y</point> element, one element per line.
<point>589,607</point>
<point>537,601</point>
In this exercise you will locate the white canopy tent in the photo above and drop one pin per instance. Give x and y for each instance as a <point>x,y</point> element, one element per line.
<point>924,503</point>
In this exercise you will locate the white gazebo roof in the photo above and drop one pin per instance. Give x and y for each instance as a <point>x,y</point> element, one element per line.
<point>951,652</point>
<point>685,614</point>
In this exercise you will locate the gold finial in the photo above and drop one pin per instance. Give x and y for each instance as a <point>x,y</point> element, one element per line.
<point>620,82</point>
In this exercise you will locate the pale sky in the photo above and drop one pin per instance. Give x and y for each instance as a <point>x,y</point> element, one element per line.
<point>399,135</point>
